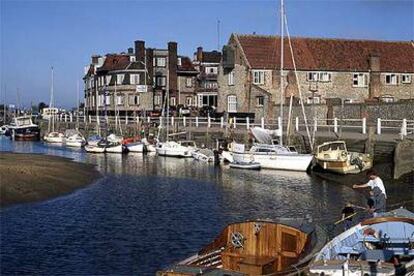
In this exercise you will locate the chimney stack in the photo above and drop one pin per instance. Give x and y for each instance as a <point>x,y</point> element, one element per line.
<point>200,54</point>
<point>172,65</point>
<point>375,76</point>
<point>150,66</point>
<point>140,50</point>
<point>130,50</point>
<point>95,59</point>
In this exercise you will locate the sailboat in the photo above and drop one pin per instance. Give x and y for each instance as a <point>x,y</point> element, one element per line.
<point>171,148</point>
<point>266,153</point>
<point>73,137</point>
<point>53,136</point>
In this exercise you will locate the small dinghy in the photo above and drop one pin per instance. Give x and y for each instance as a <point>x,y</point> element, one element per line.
<point>245,165</point>
<point>204,155</point>
<point>257,247</point>
<point>382,245</point>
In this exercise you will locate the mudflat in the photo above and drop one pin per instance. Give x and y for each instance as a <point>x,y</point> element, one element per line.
<point>34,177</point>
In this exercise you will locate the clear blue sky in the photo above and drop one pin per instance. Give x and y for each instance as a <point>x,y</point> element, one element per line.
<point>38,34</point>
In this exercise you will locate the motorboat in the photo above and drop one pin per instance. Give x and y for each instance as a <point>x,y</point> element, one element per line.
<point>256,247</point>
<point>334,157</point>
<point>172,149</point>
<point>204,155</point>
<point>189,144</point>
<point>54,137</point>
<point>382,245</point>
<point>23,129</point>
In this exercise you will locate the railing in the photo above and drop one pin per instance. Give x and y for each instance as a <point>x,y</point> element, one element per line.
<point>404,127</point>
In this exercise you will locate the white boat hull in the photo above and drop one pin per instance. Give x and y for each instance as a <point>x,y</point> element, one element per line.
<point>94,149</point>
<point>115,149</point>
<point>75,144</point>
<point>172,149</point>
<point>54,140</point>
<point>135,147</point>
<point>276,161</point>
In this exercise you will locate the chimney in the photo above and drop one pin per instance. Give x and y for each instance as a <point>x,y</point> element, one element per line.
<point>150,66</point>
<point>374,76</point>
<point>374,63</point>
<point>199,53</point>
<point>172,65</point>
<point>130,50</point>
<point>140,50</point>
<point>95,59</point>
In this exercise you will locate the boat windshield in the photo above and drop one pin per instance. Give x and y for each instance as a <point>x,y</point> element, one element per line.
<point>332,147</point>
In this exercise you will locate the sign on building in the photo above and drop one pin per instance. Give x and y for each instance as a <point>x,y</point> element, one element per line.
<point>141,88</point>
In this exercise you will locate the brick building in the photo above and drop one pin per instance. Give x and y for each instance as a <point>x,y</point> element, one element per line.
<point>352,70</point>
<point>136,82</point>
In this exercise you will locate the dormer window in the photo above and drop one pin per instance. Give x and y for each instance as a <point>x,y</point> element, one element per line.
<point>120,78</point>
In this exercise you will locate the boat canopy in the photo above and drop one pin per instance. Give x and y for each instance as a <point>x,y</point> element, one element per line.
<point>331,146</point>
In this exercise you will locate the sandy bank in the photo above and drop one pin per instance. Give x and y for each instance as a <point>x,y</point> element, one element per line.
<point>34,177</point>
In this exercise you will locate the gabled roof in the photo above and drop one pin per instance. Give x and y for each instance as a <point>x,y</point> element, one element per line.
<point>263,52</point>
<point>91,71</point>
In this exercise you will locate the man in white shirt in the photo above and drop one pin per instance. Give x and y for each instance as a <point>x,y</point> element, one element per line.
<point>374,181</point>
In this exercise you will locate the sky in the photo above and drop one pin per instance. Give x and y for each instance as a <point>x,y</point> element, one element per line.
<point>37,34</point>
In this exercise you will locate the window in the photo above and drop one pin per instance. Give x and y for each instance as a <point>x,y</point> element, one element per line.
<point>93,102</point>
<point>231,78</point>
<point>188,101</point>
<point>134,79</point>
<point>119,78</point>
<point>231,104</point>
<point>188,82</point>
<point>179,61</point>
<point>324,77</point>
<point>157,100</point>
<point>119,100</point>
<point>258,77</point>
<point>391,79</point>
<point>313,100</point>
<point>108,100</point>
<point>360,80</point>
<point>211,70</point>
<point>133,100</point>
<point>260,101</point>
<point>160,61</point>
<point>132,58</point>
<point>108,80</point>
<point>101,100</point>
<point>313,76</point>
<point>161,81</point>
<point>172,101</point>
<point>406,78</point>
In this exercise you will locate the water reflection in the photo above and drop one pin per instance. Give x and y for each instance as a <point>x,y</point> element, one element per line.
<point>148,212</point>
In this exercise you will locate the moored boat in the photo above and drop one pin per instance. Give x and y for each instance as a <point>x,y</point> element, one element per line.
<point>245,165</point>
<point>23,129</point>
<point>94,140</point>
<point>382,245</point>
<point>73,138</point>
<point>134,144</point>
<point>172,149</point>
<point>257,247</point>
<point>54,137</point>
<point>334,157</point>
<point>204,155</point>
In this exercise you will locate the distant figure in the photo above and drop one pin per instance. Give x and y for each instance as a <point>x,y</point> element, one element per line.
<point>347,214</point>
<point>374,181</point>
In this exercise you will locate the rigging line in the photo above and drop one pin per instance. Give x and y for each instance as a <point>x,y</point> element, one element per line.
<point>297,82</point>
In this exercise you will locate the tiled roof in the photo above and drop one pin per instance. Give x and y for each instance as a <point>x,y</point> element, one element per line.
<point>91,71</point>
<point>186,65</point>
<point>213,57</point>
<point>327,54</point>
<point>115,62</point>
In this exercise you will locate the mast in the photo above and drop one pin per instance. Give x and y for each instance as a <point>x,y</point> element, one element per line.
<point>51,126</point>
<point>4,106</point>
<point>281,70</point>
<point>168,97</point>
<point>98,128</point>
<point>77,101</point>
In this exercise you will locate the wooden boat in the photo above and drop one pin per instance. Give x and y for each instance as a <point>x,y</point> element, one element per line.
<point>377,246</point>
<point>258,247</point>
<point>334,156</point>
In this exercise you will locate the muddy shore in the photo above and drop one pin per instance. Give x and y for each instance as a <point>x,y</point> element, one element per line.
<point>35,177</point>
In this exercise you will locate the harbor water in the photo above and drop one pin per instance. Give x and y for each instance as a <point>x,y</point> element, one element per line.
<point>147,212</point>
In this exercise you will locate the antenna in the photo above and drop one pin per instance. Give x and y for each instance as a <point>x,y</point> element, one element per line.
<point>218,34</point>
